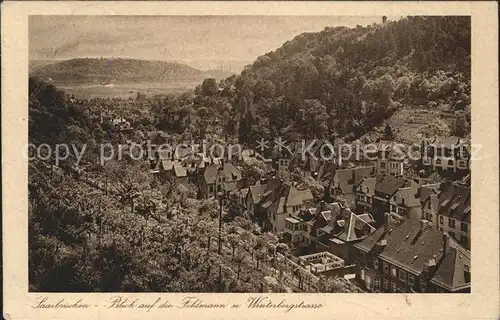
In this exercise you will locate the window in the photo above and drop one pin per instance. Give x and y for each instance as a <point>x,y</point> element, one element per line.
<point>394,272</point>
<point>386,267</point>
<point>451,223</point>
<point>464,241</point>
<point>376,284</point>
<point>386,284</point>
<point>382,165</point>
<point>423,285</point>
<point>393,286</point>
<point>362,255</point>
<point>441,219</point>
<point>211,189</point>
<point>464,227</point>
<point>375,263</point>
<point>402,275</point>
<point>411,280</point>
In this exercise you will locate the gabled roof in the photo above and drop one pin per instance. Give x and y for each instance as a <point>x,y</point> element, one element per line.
<point>297,197</point>
<point>244,192</point>
<point>167,165</point>
<point>454,202</point>
<point>368,243</point>
<point>180,171</point>
<point>229,172</point>
<point>428,190</point>
<point>355,227</point>
<point>256,192</point>
<point>367,186</point>
<point>349,226</point>
<point>408,196</point>
<point>410,246</point>
<point>454,271</point>
<point>388,184</point>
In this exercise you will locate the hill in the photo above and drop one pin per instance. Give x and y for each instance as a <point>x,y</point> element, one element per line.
<point>347,81</point>
<point>91,70</point>
<point>36,64</point>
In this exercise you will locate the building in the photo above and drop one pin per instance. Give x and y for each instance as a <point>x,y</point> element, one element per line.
<point>449,154</point>
<point>253,198</point>
<point>412,257</point>
<point>215,178</point>
<point>323,264</point>
<point>345,181</point>
<point>284,158</point>
<point>375,195</point>
<point>297,228</point>
<point>272,202</point>
<point>389,158</point>
<point>343,231</point>
<point>451,211</point>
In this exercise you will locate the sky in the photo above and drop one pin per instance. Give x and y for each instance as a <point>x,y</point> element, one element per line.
<point>201,41</point>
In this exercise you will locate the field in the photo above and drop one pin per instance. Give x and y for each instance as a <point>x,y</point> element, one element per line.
<point>411,124</point>
<point>126,90</point>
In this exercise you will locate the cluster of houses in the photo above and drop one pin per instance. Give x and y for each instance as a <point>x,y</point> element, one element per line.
<point>395,232</point>
<point>403,234</point>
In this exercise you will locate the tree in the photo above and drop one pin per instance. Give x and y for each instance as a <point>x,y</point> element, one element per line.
<point>209,87</point>
<point>460,127</point>
<point>388,134</point>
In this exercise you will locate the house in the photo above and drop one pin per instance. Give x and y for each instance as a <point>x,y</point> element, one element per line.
<point>219,178</point>
<point>388,158</point>
<point>171,169</point>
<point>241,195</point>
<point>284,158</point>
<point>121,124</point>
<point>365,191</point>
<point>450,154</point>
<point>253,198</point>
<point>179,173</point>
<point>454,212</point>
<point>276,201</point>
<point>386,187</point>
<point>323,264</point>
<point>297,228</point>
<point>342,232</point>
<point>323,215</point>
<point>430,202</point>
<point>345,181</point>
<point>405,202</point>
<point>412,257</point>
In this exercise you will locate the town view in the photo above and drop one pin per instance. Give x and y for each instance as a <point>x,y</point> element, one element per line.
<point>250,154</point>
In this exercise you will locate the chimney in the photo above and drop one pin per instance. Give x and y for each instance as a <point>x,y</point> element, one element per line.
<point>386,222</point>
<point>446,243</point>
<point>322,205</point>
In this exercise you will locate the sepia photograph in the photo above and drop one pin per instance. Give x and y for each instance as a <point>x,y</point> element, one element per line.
<point>258,154</point>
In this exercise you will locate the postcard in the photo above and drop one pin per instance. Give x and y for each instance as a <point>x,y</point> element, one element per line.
<point>233,160</point>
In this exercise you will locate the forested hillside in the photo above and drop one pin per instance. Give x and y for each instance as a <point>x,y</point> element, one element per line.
<point>344,81</point>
